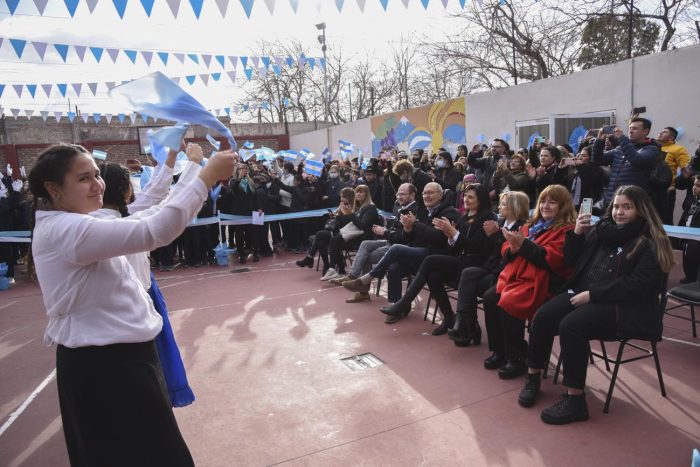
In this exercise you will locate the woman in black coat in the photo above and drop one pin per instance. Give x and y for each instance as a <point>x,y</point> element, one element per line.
<point>446,174</point>
<point>621,265</point>
<point>470,247</point>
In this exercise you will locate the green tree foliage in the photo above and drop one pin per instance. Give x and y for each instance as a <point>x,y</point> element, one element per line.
<point>605,39</point>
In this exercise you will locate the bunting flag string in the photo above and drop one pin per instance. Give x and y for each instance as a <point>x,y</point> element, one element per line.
<point>120,7</point>
<point>134,55</point>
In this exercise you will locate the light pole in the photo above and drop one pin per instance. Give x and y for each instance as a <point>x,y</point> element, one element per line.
<point>322,40</point>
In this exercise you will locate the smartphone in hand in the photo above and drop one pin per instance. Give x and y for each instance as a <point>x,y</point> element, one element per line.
<point>586,206</point>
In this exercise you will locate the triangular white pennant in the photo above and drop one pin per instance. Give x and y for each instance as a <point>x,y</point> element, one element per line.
<point>91,4</point>
<point>180,57</point>
<point>223,5</point>
<point>207,59</point>
<point>232,75</point>
<point>444,3</point>
<point>40,48</point>
<point>85,117</point>
<point>18,89</point>
<point>263,71</point>
<point>41,5</point>
<point>132,117</point>
<point>270,5</point>
<point>147,56</point>
<point>58,115</point>
<point>108,117</point>
<point>279,61</point>
<point>177,79</point>
<point>205,78</point>
<point>233,59</point>
<point>256,61</point>
<point>80,50</point>
<point>217,112</point>
<point>110,85</point>
<point>361,4</point>
<point>405,3</point>
<point>77,87</point>
<point>174,6</point>
<point>113,54</point>
<point>29,113</point>
<point>93,88</point>
<point>44,115</point>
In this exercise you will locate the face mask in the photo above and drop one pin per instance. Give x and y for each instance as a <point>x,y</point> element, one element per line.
<point>333,175</point>
<point>268,184</point>
<point>441,163</point>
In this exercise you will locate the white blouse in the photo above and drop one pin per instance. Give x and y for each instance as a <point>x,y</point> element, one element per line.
<point>89,288</point>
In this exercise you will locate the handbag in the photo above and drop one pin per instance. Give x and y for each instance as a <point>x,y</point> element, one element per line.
<point>350,231</point>
<point>331,224</point>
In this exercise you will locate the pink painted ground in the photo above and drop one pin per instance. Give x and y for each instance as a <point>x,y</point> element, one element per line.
<point>263,351</point>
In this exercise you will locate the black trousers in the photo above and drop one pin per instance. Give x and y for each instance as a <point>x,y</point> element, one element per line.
<point>691,259</point>
<point>7,255</point>
<point>576,327</point>
<point>506,333</point>
<point>436,271</point>
<point>115,408</point>
<point>473,283</point>
<point>322,240</point>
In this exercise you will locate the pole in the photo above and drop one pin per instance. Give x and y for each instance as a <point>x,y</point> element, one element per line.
<point>350,97</point>
<point>371,100</point>
<point>325,77</point>
<point>629,31</point>
<point>512,29</point>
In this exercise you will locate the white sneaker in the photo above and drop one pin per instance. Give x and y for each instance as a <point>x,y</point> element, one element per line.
<point>11,280</point>
<point>330,274</point>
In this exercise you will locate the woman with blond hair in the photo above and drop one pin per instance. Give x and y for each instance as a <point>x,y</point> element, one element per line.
<point>534,270</point>
<point>620,267</point>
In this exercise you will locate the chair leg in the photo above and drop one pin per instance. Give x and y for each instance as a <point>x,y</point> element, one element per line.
<point>658,369</point>
<point>614,376</point>
<point>605,356</point>
<point>557,369</point>
<point>379,286</point>
<point>427,308</point>
<point>692,320</point>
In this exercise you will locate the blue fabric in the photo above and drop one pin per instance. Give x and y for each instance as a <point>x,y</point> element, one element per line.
<point>175,376</point>
<point>538,228</point>
<point>158,96</point>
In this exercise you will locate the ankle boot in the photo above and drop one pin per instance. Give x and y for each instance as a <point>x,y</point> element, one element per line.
<point>457,330</point>
<point>448,321</point>
<point>528,394</point>
<point>307,262</point>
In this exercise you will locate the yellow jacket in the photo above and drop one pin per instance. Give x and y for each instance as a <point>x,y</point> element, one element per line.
<point>676,157</point>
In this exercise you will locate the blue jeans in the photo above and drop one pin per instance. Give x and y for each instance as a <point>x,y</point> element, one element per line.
<point>399,261</point>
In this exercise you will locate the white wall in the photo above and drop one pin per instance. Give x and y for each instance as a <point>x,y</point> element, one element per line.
<point>357,132</point>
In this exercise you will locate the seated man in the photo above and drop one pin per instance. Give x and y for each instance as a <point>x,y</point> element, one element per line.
<point>371,251</point>
<point>422,239</point>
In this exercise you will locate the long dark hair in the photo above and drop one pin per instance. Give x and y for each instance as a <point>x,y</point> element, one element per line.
<point>482,194</point>
<point>117,185</point>
<point>52,166</point>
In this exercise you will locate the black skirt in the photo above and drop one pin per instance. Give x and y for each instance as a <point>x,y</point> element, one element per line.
<point>115,409</point>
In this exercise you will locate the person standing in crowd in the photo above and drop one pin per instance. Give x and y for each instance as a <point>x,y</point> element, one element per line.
<point>486,165</point>
<point>9,204</point>
<point>390,186</point>
<point>549,172</point>
<point>371,179</point>
<point>620,267</point>
<point>113,404</point>
<point>534,270</point>
<point>242,199</point>
<point>446,174</point>
<point>631,161</point>
<point>587,180</point>
<point>511,175</point>
<point>677,158</point>
<point>331,186</point>
<point>416,177</point>
<point>691,248</point>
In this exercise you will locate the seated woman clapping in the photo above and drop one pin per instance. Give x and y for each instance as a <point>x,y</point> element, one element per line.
<point>534,270</point>
<point>470,246</point>
<point>620,269</point>
<point>475,280</point>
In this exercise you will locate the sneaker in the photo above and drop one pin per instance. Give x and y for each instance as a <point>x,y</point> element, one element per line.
<point>528,394</point>
<point>330,274</point>
<point>11,280</point>
<point>339,280</point>
<point>569,409</point>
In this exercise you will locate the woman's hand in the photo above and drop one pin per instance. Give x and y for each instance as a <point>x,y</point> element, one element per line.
<point>445,226</point>
<point>491,227</point>
<point>195,154</point>
<point>583,223</point>
<point>219,167</point>
<point>581,299</point>
<point>515,239</point>
<point>378,230</point>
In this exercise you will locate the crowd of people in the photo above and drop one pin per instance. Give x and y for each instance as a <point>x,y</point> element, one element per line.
<point>503,227</point>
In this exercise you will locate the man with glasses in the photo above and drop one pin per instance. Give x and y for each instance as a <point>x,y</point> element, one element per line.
<point>488,164</point>
<point>423,239</point>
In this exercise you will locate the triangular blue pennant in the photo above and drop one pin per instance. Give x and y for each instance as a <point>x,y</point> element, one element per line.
<point>194,58</point>
<point>12,5</point>
<point>190,78</point>
<point>97,52</point>
<point>244,61</point>
<point>339,5</point>
<point>425,3</point>
<point>197,7</point>
<point>62,87</point>
<point>147,6</point>
<point>226,109</point>
<point>462,3</point>
<point>266,62</point>
<point>72,5</point>
<point>97,117</point>
<point>71,115</point>
<point>132,55</point>
<point>277,70</point>
<point>163,57</point>
<point>121,117</point>
<point>248,73</point>
<point>265,105</point>
<point>322,61</point>
<point>312,62</point>
<point>216,76</point>
<point>384,3</point>
<point>18,45</point>
<point>2,88</point>
<point>120,5</point>
<point>290,62</point>
<point>245,107</point>
<point>144,117</point>
<point>32,89</point>
<point>247,6</point>
<point>62,51</point>
<point>220,59</point>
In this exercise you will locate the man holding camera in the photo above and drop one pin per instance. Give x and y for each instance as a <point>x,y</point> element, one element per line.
<point>631,161</point>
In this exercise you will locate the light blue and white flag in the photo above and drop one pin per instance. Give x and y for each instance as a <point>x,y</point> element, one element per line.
<point>246,154</point>
<point>326,154</point>
<point>346,146</point>
<point>97,154</point>
<point>214,142</point>
<point>168,136</point>
<point>158,96</point>
<point>264,153</point>
<point>248,145</point>
<point>313,167</point>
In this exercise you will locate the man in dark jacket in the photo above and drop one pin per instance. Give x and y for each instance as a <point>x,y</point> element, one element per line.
<point>632,161</point>
<point>416,177</point>
<point>422,238</point>
<point>487,165</point>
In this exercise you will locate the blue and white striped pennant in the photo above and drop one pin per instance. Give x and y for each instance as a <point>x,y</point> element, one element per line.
<point>313,167</point>
<point>97,154</point>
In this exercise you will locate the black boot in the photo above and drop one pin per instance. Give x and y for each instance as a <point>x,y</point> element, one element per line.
<point>447,322</point>
<point>458,330</point>
<point>307,262</point>
<point>399,308</point>
<point>495,361</point>
<point>568,409</point>
<point>512,369</point>
<point>528,394</point>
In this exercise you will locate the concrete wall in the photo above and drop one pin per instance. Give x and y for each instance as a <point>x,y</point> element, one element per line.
<point>357,132</point>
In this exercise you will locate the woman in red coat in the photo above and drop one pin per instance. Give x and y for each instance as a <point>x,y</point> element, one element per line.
<point>534,269</point>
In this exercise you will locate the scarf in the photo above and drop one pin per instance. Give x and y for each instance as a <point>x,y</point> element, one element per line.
<point>612,234</point>
<point>534,231</point>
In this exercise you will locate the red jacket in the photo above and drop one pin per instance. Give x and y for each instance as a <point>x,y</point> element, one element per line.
<point>524,282</point>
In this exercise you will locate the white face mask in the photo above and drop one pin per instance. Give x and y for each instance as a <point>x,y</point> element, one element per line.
<point>333,175</point>
<point>268,184</point>
<point>441,163</point>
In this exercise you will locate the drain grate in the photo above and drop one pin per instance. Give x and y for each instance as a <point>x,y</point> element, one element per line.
<point>239,270</point>
<point>362,361</point>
